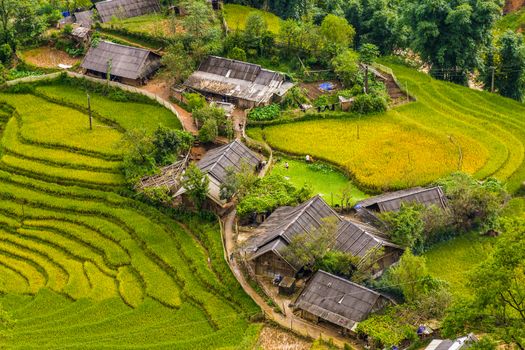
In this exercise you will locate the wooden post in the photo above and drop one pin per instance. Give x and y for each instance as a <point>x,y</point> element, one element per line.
<point>89,112</point>
<point>366,78</point>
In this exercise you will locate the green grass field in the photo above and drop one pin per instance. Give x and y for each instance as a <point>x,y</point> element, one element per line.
<point>450,127</point>
<point>514,21</point>
<point>82,266</point>
<point>323,180</point>
<point>236,16</point>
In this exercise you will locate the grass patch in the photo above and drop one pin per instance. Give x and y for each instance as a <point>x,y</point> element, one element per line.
<point>322,179</point>
<point>236,16</point>
<point>417,143</point>
<point>514,21</point>
<point>153,24</point>
<point>451,260</point>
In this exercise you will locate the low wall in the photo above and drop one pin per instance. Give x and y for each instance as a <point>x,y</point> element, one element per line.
<point>152,96</point>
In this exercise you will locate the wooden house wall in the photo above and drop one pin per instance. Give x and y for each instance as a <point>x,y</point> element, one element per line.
<point>270,264</point>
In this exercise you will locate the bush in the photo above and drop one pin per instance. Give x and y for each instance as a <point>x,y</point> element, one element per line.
<point>368,103</point>
<point>6,53</point>
<point>209,131</point>
<point>269,112</point>
<point>194,101</point>
<point>237,54</point>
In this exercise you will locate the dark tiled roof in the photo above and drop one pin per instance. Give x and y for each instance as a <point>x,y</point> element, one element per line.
<point>358,239</point>
<point>288,221</point>
<point>227,77</point>
<point>216,162</point>
<point>337,300</point>
<point>126,61</point>
<point>392,201</point>
<point>126,8</point>
<point>84,18</point>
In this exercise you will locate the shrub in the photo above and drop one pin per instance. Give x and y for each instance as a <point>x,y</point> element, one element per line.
<point>6,53</point>
<point>269,112</point>
<point>194,101</point>
<point>209,131</point>
<point>369,103</point>
<point>237,54</point>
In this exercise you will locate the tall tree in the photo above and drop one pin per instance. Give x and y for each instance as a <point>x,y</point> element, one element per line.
<point>368,54</point>
<point>510,72</point>
<point>337,34</point>
<point>450,34</point>
<point>196,184</point>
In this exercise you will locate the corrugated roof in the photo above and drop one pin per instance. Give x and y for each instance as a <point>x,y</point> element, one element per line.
<point>125,8</point>
<point>247,81</point>
<point>216,162</point>
<point>337,300</point>
<point>126,61</point>
<point>392,201</point>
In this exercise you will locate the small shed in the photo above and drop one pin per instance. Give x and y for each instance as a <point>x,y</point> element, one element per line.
<point>81,35</point>
<point>392,201</point>
<point>337,301</point>
<point>129,65</point>
<point>287,286</point>
<point>447,344</point>
<point>216,163</point>
<point>346,103</point>
<point>125,8</point>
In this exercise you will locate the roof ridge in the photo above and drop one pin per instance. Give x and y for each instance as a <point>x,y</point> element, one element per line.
<point>350,282</point>
<point>226,148</point>
<point>126,46</point>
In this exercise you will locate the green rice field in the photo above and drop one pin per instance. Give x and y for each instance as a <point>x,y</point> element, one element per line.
<point>236,15</point>
<point>449,128</point>
<point>85,266</point>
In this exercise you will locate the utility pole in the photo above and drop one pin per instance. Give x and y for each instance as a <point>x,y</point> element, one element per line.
<point>366,78</point>
<point>89,112</point>
<point>492,80</point>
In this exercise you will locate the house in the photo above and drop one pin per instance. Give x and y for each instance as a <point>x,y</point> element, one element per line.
<point>81,35</point>
<point>216,163</point>
<point>244,84</point>
<point>447,344</point>
<point>84,18</point>
<point>122,9</point>
<point>129,65</point>
<point>337,301</point>
<point>276,233</point>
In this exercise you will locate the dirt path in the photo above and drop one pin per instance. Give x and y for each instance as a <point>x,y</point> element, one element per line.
<point>290,321</point>
<point>161,88</point>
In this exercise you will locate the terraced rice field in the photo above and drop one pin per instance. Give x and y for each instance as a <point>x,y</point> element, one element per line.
<point>84,266</point>
<point>449,128</point>
<point>236,15</point>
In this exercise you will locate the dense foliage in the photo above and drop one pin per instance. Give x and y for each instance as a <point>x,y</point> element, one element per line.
<point>269,112</point>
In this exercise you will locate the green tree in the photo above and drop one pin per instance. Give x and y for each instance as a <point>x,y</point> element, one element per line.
<point>308,247</point>
<point>498,286</point>
<point>337,34</point>
<point>209,131</point>
<point>367,55</point>
<point>169,143</point>
<point>237,182</point>
<point>346,66</point>
<point>510,72</point>
<point>194,101</point>
<point>255,31</point>
<point>338,263</point>
<point>139,159</point>
<point>450,34</point>
<point>196,184</point>
<point>406,227</point>
<point>178,63</point>
<point>237,54</point>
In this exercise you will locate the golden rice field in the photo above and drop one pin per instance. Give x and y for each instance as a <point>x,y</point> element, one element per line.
<point>449,128</point>
<point>83,265</point>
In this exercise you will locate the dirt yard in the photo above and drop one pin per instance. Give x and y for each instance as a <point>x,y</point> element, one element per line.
<point>313,90</point>
<point>48,57</point>
<point>273,338</point>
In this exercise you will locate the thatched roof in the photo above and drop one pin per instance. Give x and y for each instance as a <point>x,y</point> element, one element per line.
<point>392,201</point>
<point>338,301</point>
<point>126,8</point>
<point>216,162</point>
<point>84,18</point>
<point>126,61</point>
<point>247,81</point>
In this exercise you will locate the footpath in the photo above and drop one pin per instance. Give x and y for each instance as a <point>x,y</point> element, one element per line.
<point>288,321</point>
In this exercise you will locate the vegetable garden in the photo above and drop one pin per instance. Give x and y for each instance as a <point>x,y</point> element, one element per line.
<point>449,128</point>
<point>83,265</point>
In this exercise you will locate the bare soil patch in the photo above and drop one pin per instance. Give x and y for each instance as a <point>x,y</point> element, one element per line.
<point>272,338</point>
<point>48,57</point>
<point>313,91</point>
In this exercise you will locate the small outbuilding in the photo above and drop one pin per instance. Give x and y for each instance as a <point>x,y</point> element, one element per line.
<point>447,344</point>
<point>246,85</point>
<point>392,201</point>
<point>129,65</point>
<point>337,301</point>
<point>125,8</point>
<point>84,18</point>
<point>215,165</point>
